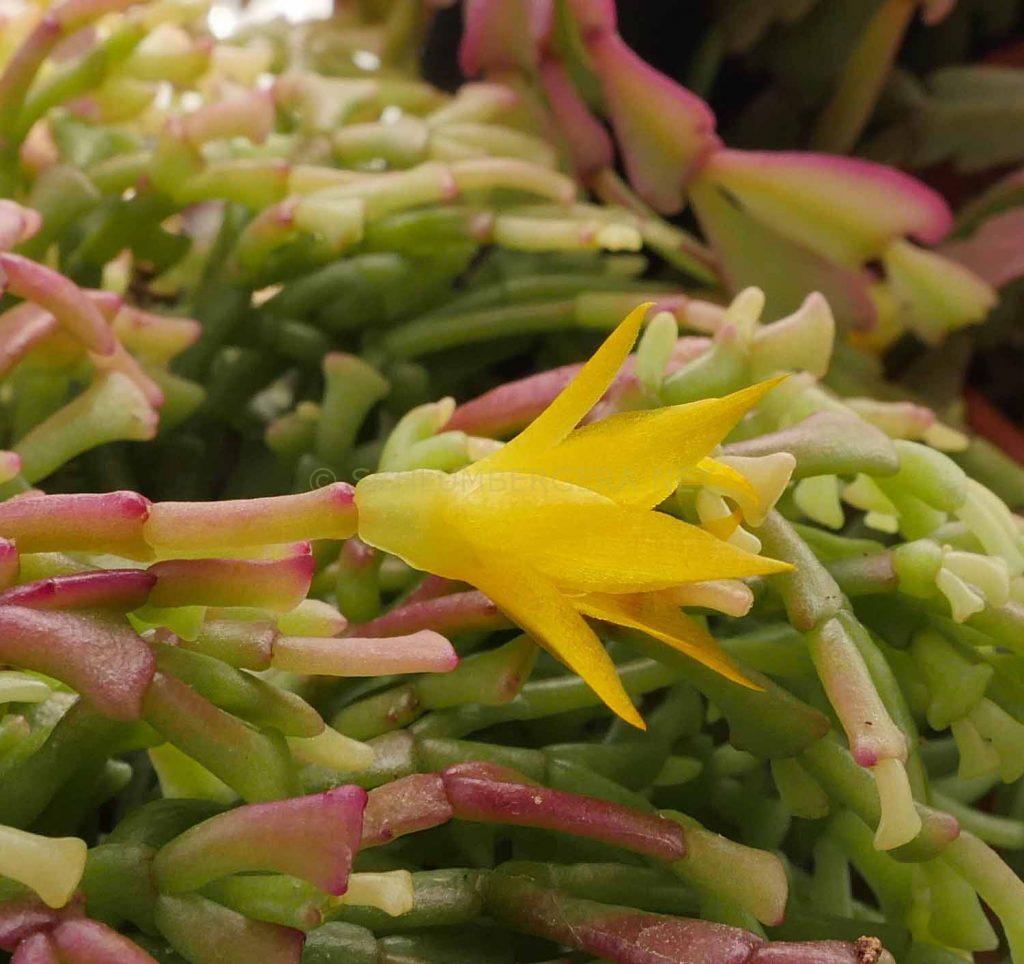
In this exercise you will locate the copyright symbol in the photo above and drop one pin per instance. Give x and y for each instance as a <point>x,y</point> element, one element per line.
<point>321,477</point>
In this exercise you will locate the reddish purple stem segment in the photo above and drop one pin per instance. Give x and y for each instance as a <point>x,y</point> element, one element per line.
<point>481,792</point>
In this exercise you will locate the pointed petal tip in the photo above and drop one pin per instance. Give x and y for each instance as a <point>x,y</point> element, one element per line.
<point>632,323</point>
<point>742,680</point>
<point>633,718</point>
<point>574,401</point>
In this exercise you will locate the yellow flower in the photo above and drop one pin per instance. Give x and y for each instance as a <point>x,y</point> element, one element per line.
<point>559,524</point>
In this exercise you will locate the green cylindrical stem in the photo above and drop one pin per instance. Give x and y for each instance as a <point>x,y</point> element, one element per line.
<point>117,885</point>
<point>256,765</point>
<point>768,722</point>
<point>246,696</point>
<point>548,697</point>
<point>437,333</point>
<point>442,898</point>
<point>810,594</point>
<point>81,739</point>
<point>205,932</point>
<point>481,681</point>
<point>352,388</point>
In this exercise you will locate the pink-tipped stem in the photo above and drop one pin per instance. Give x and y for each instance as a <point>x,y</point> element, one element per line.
<point>312,837</point>
<point>105,661</point>
<point>431,587</point>
<point>822,952</point>
<point>501,35</point>
<point>634,937</point>
<point>249,115</point>
<point>589,144</point>
<point>118,360</point>
<point>109,302</point>
<point>862,196</point>
<point>62,298</point>
<point>57,25</point>
<point>10,465</point>
<point>276,584</point>
<point>995,251</point>
<point>631,936</point>
<point>453,613</point>
<point>10,563</point>
<point>117,589</point>
<point>23,916</point>
<point>475,795</point>
<point>510,407</point>
<point>358,556</point>
<point>507,408</point>
<point>482,770</point>
<point>74,14</point>
<point>594,16</point>
<point>17,224</point>
<point>27,326</point>
<point>109,522</point>
<point>155,338</point>
<point>325,513</point>
<point>665,133</point>
<point>22,328</point>
<point>421,652</point>
<point>23,66</point>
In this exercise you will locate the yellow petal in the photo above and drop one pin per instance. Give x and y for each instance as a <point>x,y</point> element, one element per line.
<point>658,616</point>
<point>723,478</point>
<point>724,527</point>
<point>536,605</point>
<point>584,542</point>
<point>575,400</point>
<point>637,458</point>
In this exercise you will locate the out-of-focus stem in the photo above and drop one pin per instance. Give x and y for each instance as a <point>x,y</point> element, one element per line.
<point>864,74</point>
<point>995,882</point>
<point>112,409</point>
